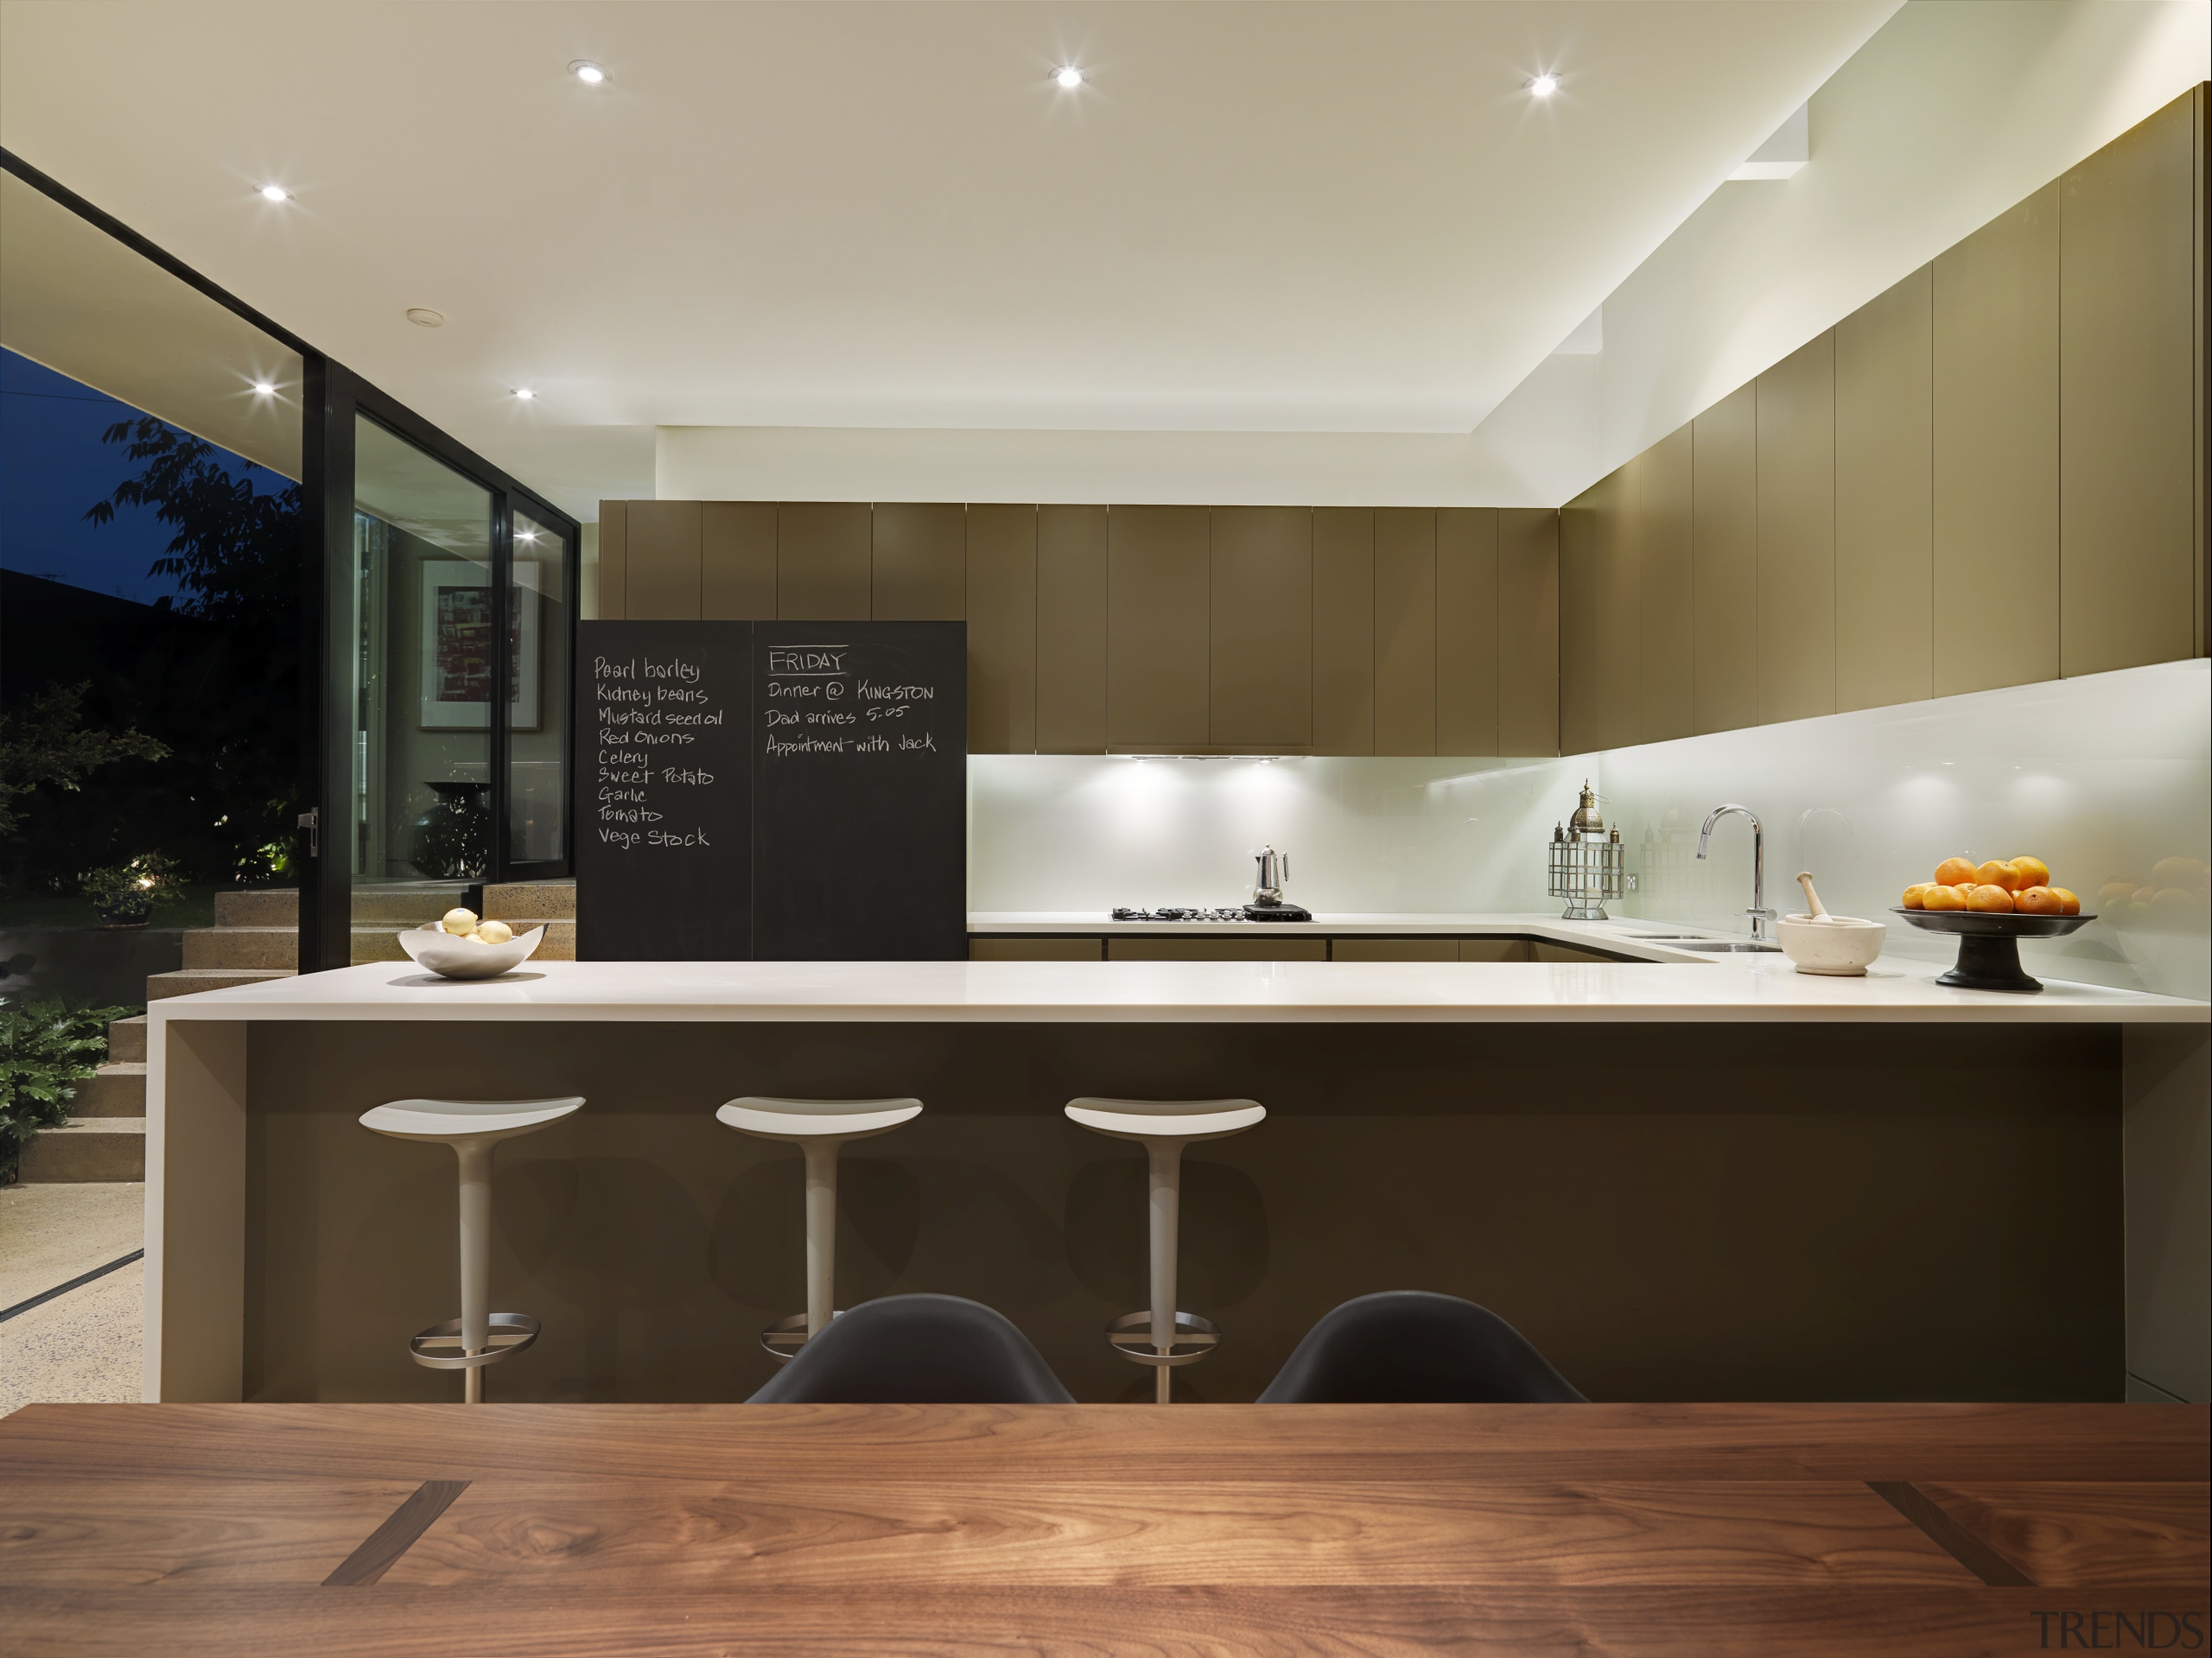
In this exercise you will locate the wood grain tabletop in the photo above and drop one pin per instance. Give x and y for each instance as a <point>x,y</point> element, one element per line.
<point>575,1529</point>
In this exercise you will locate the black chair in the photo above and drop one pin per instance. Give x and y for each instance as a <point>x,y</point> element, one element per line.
<point>917,1350</point>
<point>1412,1347</point>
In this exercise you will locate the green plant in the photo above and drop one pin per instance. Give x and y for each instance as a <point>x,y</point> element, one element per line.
<point>45,741</point>
<point>46,1049</point>
<point>131,891</point>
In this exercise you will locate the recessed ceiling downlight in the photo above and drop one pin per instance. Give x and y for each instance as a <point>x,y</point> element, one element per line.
<point>264,389</point>
<point>423,317</point>
<point>588,71</point>
<point>1543,86</point>
<point>1069,77</point>
<point>274,193</point>
<point>524,394</point>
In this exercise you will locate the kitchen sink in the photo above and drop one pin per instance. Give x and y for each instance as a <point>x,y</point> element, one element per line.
<point>1721,946</point>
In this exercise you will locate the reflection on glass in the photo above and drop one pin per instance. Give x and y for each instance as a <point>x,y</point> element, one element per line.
<point>423,612</point>
<point>539,720</point>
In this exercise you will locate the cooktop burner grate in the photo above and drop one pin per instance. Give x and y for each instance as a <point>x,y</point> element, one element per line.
<point>1171,913</point>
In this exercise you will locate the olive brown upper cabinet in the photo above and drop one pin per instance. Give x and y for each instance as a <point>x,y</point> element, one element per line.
<point>1992,473</point>
<point>1148,630</point>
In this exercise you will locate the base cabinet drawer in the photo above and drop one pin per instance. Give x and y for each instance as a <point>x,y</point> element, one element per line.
<point>1393,950</point>
<point>1001,949</point>
<point>1217,950</point>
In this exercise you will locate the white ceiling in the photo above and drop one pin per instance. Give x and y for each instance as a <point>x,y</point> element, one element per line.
<point>1255,216</point>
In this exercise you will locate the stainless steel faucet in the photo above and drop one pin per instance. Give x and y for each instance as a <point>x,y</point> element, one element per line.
<point>1760,913</point>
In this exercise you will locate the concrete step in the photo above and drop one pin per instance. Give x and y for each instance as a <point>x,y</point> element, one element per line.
<point>406,903</point>
<point>531,900</point>
<point>94,1149</point>
<point>261,906</point>
<point>193,979</point>
<point>559,943</point>
<point>126,1039</point>
<point>113,1091</point>
<point>265,947</point>
<point>397,902</point>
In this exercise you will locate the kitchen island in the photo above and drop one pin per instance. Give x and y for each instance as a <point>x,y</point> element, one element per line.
<point>1682,1178</point>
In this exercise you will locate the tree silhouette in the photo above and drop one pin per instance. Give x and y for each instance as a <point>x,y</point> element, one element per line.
<point>237,550</point>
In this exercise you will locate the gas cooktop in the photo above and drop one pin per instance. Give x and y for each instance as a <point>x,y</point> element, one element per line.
<point>1249,913</point>
<point>1172,914</point>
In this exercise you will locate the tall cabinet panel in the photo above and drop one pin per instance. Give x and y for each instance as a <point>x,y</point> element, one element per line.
<point>1261,610</point>
<point>1344,629</point>
<point>1664,577</point>
<point>1620,602</point>
<point>1466,630</point>
<point>1405,630</point>
<point>919,567</point>
<point>1581,727</point>
<point>613,560</point>
<point>664,545</point>
<point>737,560</point>
<point>1797,516</point>
<point>1072,630</point>
<point>1996,452</point>
<point>823,558</point>
<point>1158,614</point>
<point>2128,439</point>
<point>1723,557</point>
<point>1002,606</point>
<point>1528,630</point>
<point>1885,568</point>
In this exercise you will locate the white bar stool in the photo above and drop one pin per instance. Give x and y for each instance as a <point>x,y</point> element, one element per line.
<point>472,1127</point>
<point>1164,1337</point>
<point>818,1128</point>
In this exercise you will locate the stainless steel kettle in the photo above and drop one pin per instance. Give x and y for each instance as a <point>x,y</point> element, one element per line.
<point>1273,876</point>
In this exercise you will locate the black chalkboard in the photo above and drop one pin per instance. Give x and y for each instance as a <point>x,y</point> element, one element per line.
<point>771,791</point>
<point>664,782</point>
<point>859,786</point>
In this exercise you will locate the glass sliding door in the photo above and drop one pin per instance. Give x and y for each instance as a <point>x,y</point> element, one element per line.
<point>441,631</point>
<point>427,660</point>
<point>539,613</point>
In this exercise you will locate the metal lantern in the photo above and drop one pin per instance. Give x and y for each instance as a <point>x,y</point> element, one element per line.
<point>1587,864</point>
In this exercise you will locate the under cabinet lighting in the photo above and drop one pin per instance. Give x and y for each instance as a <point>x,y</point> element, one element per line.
<point>1068,78</point>
<point>274,193</point>
<point>588,71</point>
<point>1544,86</point>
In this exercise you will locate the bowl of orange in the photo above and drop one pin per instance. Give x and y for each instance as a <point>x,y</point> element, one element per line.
<point>1990,906</point>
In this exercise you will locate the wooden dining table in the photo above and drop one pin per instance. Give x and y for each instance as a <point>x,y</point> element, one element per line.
<point>1704,1531</point>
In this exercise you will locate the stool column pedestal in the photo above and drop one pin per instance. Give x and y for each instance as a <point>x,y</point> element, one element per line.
<point>475,1156</point>
<point>821,1235</point>
<point>1167,1159</point>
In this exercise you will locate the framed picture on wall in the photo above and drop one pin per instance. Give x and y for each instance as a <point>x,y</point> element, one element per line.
<point>457,650</point>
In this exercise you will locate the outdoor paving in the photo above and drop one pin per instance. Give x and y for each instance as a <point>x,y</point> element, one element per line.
<point>83,1347</point>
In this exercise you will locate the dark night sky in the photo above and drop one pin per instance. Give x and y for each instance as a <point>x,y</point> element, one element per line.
<point>53,465</point>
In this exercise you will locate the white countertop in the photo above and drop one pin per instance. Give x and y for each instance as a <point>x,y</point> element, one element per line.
<point>1608,935</point>
<point>1670,984</point>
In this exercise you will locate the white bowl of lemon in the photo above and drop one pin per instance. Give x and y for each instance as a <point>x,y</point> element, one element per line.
<point>461,947</point>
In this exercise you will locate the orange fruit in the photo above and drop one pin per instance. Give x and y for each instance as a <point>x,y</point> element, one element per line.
<point>2034,872</point>
<point>2039,900</point>
<point>1992,898</point>
<point>2067,903</point>
<point>1999,872</point>
<point>1940,897</point>
<point>1914,894</point>
<point>1952,871</point>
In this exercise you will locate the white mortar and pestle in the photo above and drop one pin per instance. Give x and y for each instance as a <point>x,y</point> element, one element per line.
<point>1840,946</point>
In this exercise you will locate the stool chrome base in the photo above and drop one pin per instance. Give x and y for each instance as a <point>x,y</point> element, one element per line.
<point>439,1347</point>
<point>1130,1336</point>
<point>782,1338</point>
<point>1195,1338</point>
